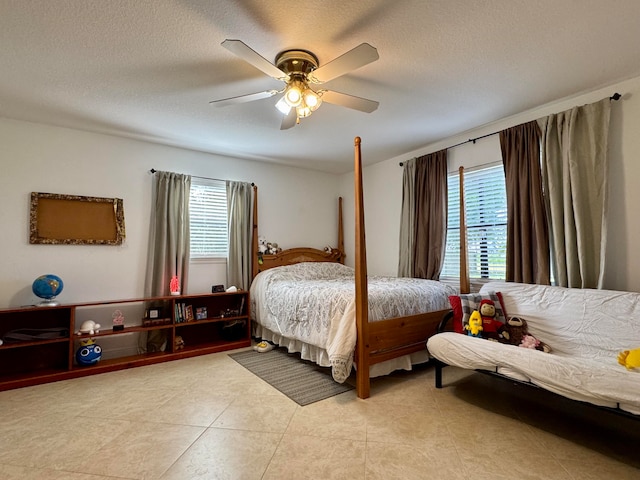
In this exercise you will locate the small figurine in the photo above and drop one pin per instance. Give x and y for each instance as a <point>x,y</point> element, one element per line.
<point>89,327</point>
<point>89,352</point>
<point>174,285</point>
<point>118,320</point>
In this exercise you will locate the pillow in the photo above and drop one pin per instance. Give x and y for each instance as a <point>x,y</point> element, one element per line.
<point>464,305</point>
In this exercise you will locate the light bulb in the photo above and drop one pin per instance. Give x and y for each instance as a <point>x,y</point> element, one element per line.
<point>293,94</point>
<point>283,106</point>
<point>312,99</point>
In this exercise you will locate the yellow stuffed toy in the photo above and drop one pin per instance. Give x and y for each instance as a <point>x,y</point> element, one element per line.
<point>474,327</point>
<point>630,358</point>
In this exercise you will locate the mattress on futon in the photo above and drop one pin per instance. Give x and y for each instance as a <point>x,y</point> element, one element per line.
<point>585,328</point>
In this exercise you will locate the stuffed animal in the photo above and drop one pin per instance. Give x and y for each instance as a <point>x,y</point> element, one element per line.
<point>516,333</point>
<point>89,353</point>
<point>630,358</point>
<point>272,248</point>
<point>262,245</point>
<point>474,327</point>
<point>179,343</point>
<point>492,328</point>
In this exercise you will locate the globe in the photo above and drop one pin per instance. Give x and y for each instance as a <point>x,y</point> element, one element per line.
<point>47,287</point>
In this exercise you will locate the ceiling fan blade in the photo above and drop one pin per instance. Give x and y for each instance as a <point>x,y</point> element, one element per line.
<point>223,102</point>
<point>289,120</point>
<point>350,101</point>
<point>353,59</point>
<point>240,49</point>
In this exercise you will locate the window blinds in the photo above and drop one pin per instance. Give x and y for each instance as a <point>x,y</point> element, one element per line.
<point>486,215</point>
<point>208,218</point>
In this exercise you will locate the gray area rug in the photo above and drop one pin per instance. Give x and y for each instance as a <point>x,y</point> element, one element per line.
<point>303,382</point>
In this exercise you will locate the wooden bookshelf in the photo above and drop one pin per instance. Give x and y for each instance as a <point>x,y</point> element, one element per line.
<point>34,361</point>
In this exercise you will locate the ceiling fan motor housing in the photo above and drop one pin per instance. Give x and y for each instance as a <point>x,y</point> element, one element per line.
<point>296,62</point>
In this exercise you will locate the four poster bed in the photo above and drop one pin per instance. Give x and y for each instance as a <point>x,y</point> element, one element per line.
<point>308,305</point>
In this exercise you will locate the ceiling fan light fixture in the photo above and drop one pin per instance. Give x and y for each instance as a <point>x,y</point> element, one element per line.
<point>303,111</point>
<point>293,93</point>
<point>283,106</point>
<point>311,99</point>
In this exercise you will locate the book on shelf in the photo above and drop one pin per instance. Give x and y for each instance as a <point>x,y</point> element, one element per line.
<point>181,312</point>
<point>241,309</point>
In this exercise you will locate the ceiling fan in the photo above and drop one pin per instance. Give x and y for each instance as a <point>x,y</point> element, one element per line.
<point>299,70</point>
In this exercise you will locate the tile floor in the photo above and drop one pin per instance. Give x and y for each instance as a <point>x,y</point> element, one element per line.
<point>209,418</point>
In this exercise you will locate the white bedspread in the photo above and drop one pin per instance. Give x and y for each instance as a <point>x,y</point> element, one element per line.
<point>314,303</point>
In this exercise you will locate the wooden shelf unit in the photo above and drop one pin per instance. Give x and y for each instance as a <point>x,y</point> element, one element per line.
<point>22,363</point>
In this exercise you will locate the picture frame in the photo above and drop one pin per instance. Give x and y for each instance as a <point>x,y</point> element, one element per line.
<point>75,220</point>
<point>201,313</point>
<point>153,313</point>
<point>188,313</point>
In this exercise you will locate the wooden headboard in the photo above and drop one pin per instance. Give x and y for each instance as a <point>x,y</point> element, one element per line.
<point>293,255</point>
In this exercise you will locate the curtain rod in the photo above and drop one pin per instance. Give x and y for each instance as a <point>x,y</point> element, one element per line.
<point>615,96</point>
<point>153,170</point>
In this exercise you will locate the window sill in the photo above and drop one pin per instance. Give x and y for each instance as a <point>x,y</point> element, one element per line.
<point>208,260</point>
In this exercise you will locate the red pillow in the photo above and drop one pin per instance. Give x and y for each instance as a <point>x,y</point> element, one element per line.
<point>464,305</point>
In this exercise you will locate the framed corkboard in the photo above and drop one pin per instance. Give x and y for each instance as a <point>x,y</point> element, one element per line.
<point>75,220</point>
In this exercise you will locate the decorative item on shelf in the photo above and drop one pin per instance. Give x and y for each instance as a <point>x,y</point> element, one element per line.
<point>178,343</point>
<point>174,285</point>
<point>229,312</point>
<point>89,327</point>
<point>217,288</point>
<point>201,313</point>
<point>232,288</point>
<point>89,352</point>
<point>118,321</point>
<point>47,287</point>
<point>266,248</point>
<point>188,313</point>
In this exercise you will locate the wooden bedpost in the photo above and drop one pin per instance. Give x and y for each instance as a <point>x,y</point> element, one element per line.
<point>362,303</point>
<point>340,231</point>
<point>254,235</point>
<point>464,263</point>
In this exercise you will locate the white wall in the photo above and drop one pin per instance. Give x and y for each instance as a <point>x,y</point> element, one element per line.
<point>296,207</point>
<point>383,185</point>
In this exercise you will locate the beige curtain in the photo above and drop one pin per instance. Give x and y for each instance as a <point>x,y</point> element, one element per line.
<point>574,169</point>
<point>527,228</point>
<point>424,217</point>
<point>407,224</point>
<point>169,243</point>
<point>169,234</point>
<point>239,205</point>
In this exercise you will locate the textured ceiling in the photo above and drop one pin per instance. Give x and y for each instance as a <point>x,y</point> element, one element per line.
<point>147,69</point>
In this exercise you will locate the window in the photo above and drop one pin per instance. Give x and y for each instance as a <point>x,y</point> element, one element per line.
<point>486,215</point>
<point>208,218</point>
